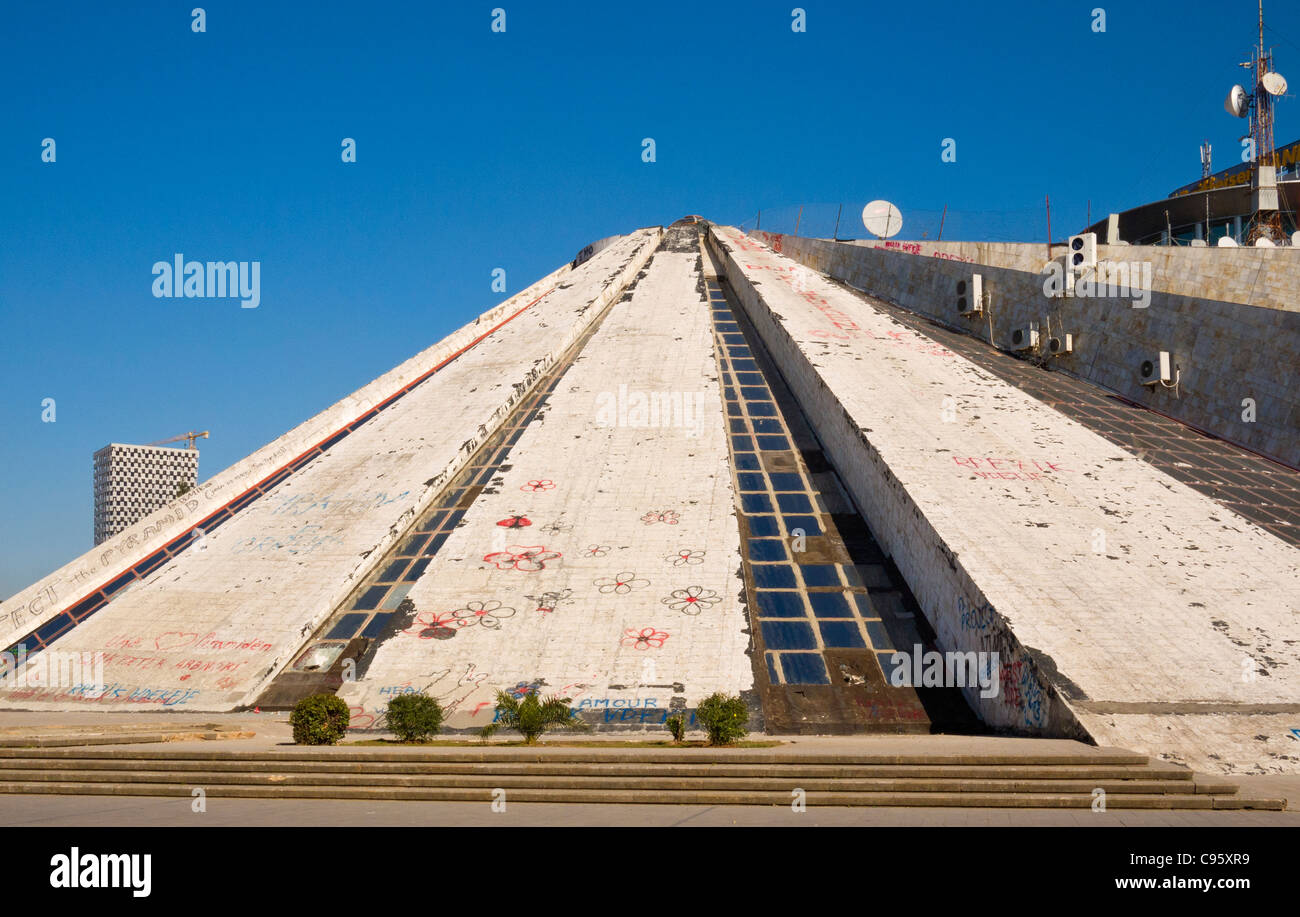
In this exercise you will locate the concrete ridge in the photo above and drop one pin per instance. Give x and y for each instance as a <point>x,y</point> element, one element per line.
<point>660,797</point>
<point>554,781</point>
<point>580,756</point>
<point>426,768</point>
<point>58,741</point>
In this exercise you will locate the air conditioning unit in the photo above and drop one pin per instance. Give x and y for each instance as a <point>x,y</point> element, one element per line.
<point>1157,370</point>
<point>970,295</point>
<point>1024,338</point>
<point>1082,253</point>
<point>1062,344</point>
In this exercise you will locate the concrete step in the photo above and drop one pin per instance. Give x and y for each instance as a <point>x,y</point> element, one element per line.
<point>1106,772</point>
<point>659,797</point>
<point>588,755</point>
<point>620,775</point>
<point>774,784</point>
<point>70,740</point>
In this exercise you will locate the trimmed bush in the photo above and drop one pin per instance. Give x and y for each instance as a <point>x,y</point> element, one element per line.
<point>677,726</point>
<point>321,719</point>
<point>414,717</point>
<point>723,717</point>
<point>531,717</point>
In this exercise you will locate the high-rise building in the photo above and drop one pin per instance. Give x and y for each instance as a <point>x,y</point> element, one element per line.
<point>133,481</point>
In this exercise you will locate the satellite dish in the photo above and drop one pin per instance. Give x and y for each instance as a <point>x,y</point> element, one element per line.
<point>1295,240</point>
<point>1227,242</point>
<point>1237,103</point>
<point>1264,243</point>
<point>1274,83</point>
<point>882,218</point>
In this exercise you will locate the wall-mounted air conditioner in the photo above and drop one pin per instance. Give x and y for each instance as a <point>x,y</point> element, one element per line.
<point>970,295</point>
<point>1156,370</point>
<point>1060,344</point>
<point>1082,252</point>
<point>1024,338</point>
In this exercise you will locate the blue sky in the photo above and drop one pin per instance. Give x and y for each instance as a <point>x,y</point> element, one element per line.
<point>478,150</point>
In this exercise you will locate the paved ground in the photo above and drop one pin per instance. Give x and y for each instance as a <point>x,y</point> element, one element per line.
<point>272,730</point>
<point>118,811</point>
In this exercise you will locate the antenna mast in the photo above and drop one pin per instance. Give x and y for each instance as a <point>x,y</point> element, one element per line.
<point>1265,222</point>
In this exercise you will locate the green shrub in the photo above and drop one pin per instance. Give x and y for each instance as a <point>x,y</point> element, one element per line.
<point>677,726</point>
<point>723,717</point>
<point>414,717</point>
<point>531,717</point>
<point>321,719</point>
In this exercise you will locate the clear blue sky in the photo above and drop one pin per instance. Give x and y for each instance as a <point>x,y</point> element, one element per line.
<point>478,150</point>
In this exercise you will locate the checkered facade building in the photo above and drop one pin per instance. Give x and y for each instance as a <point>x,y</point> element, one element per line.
<point>133,481</point>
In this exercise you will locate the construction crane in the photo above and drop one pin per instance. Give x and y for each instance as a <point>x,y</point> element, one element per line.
<point>188,437</point>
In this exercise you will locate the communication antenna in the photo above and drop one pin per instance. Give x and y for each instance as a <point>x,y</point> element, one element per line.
<point>882,219</point>
<point>1237,103</point>
<point>1265,220</point>
<point>1206,150</point>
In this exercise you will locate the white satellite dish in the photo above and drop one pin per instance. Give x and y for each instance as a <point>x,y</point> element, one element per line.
<point>1237,103</point>
<point>1264,243</point>
<point>1295,240</point>
<point>1227,242</point>
<point>882,218</point>
<point>1274,83</point>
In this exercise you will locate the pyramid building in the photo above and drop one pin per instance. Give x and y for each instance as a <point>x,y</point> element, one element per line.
<point>699,460</point>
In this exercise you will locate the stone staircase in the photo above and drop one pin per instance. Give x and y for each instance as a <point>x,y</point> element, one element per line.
<point>694,776</point>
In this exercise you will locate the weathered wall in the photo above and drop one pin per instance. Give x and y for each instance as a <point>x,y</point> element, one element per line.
<point>210,626</point>
<point>1229,318</point>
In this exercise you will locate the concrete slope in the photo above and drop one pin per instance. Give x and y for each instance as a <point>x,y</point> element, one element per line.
<point>602,561</point>
<point>206,628</point>
<point>1122,604</point>
<point>1229,319</point>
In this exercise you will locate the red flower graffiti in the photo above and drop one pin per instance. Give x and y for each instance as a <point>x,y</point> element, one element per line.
<point>597,550</point>
<point>692,600</point>
<point>485,614</point>
<point>683,558</point>
<point>533,487</point>
<point>667,517</point>
<point>526,559</point>
<point>644,639</point>
<point>514,522</point>
<point>430,625</point>
<point>621,584</point>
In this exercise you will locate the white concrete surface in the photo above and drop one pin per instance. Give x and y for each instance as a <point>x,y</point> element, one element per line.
<point>1229,319</point>
<point>209,629</point>
<point>631,598</point>
<point>1094,575</point>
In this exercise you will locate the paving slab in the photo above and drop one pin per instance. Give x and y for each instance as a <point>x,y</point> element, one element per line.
<point>77,811</point>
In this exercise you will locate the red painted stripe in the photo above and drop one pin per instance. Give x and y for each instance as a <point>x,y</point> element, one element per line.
<point>235,499</point>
